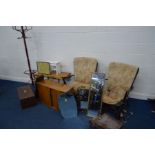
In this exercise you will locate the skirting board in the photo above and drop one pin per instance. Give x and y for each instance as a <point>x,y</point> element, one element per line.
<point>141,96</point>
<point>132,94</point>
<point>18,79</point>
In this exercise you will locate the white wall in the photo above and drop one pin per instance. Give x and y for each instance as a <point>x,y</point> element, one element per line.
<point>12,55</point>
<point>133,45</point>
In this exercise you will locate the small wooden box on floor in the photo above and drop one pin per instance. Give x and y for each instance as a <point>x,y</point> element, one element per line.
<point>106,121</point>
<point>26,96</point>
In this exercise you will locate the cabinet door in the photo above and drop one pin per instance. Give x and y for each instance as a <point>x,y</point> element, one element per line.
<point>44,95</point>
<point>54,97</point>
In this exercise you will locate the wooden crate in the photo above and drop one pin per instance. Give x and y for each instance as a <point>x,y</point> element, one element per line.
<point>26,96</point>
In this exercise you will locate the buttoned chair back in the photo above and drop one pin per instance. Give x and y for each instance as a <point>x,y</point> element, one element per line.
<point>83,69</point>
<point>120,79</point>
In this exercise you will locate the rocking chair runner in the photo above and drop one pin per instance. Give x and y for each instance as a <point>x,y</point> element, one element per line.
<point>120,79</point>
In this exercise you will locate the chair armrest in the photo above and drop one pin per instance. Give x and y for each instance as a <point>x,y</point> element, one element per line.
<point>69,79</point>
<point>126,95</point>
<point>72,75</point>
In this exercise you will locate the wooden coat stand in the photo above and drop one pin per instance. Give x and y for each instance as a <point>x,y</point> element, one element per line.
<point>22,30</point>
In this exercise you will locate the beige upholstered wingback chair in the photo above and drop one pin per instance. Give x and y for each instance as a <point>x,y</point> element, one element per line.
<point>120,78</point>
<point>83,69</point>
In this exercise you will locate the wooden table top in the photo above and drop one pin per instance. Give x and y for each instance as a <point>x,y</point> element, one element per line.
<point>56,86</point>
<point>54,75</point>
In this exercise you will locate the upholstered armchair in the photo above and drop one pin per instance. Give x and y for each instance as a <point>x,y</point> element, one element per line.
<point>83,69</point>
<point>120,79</point>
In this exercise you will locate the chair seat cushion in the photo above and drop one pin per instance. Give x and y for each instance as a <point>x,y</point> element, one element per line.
<point>113,95</point>
<point>76,85</point>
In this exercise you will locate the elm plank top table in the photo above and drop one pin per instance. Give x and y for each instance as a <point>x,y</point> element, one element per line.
<point>56,86</point>
<point>58,76</point>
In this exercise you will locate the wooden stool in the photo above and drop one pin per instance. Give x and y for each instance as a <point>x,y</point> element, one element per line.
<point>105,121</point>
<point>26,96</point>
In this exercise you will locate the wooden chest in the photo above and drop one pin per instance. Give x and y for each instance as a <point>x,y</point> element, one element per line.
<point>26,96</point>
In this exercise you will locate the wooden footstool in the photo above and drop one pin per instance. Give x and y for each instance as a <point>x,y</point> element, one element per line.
<point>105,121</point>
<point>26,96</point>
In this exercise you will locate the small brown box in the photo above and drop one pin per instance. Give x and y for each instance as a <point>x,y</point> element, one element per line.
<point>106,121</point>
<point>26,96</point>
